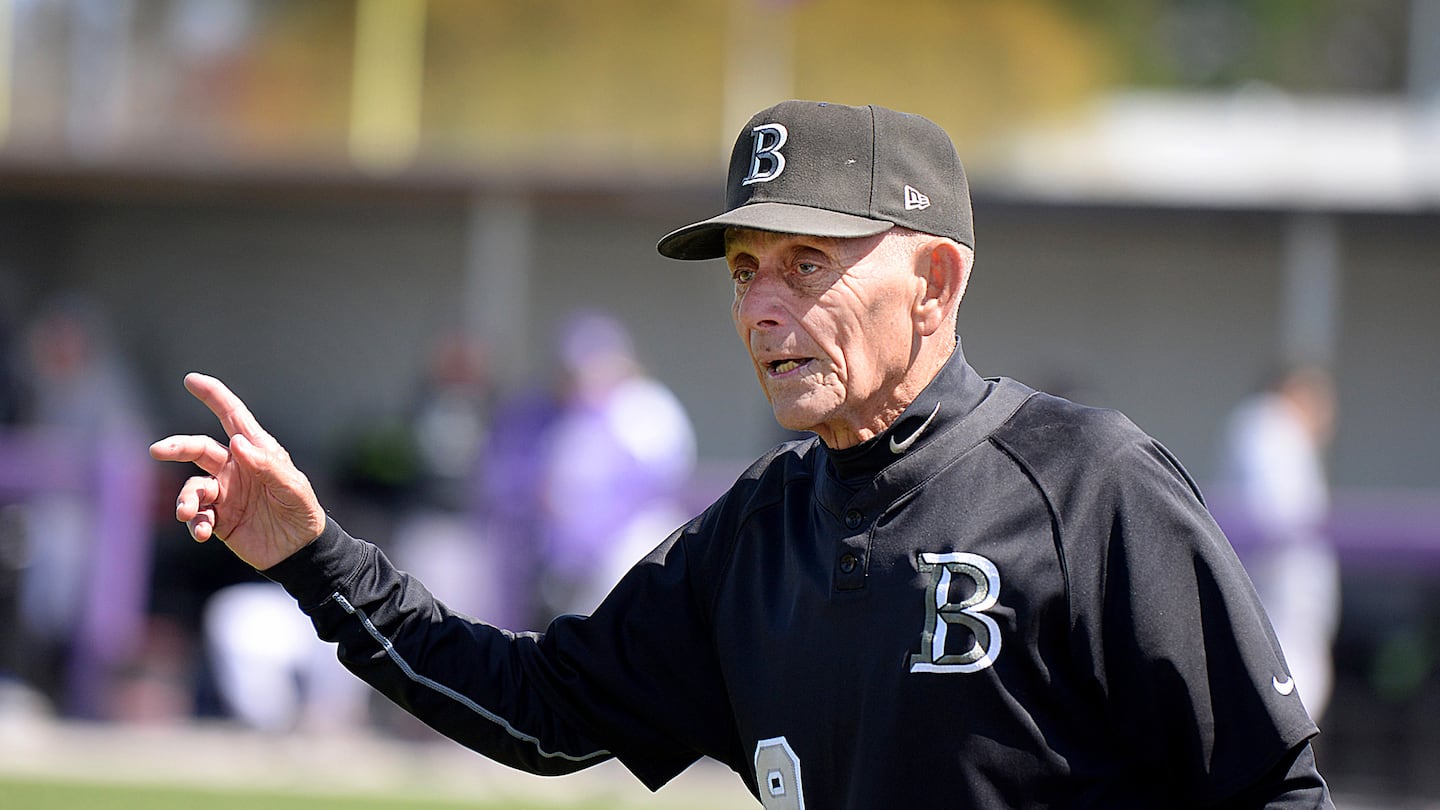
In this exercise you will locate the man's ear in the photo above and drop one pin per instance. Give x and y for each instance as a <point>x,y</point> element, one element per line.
<point>944,265</point>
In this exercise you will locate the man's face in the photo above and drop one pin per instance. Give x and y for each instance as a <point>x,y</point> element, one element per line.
<point>829,327</point>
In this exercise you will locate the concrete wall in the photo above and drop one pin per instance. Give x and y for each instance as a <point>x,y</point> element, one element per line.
<point>1173,315</point>
<point>321,310</point>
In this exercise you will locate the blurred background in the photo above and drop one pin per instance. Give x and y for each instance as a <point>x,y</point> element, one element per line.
<point>417,236</point>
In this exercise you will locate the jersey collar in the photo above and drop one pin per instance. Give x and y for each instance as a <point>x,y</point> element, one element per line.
<point>954,392</point>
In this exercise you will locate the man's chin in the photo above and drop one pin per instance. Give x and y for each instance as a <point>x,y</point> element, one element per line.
<point>795,418</point>
<point>802,407</point>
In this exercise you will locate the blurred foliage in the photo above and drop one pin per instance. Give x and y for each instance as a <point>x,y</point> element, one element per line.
<point>1329,46</point>
<point>1404,662</point>
<point>642,81</point>
<point>628,86</point>
<point>292,93</point>
<point>572,81</point>
<point>976,67</point>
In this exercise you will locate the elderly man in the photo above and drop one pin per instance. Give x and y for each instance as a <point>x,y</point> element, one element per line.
<point>958,593</point>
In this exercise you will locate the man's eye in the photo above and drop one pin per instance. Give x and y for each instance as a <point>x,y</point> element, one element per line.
<point>743,275</point>
<point>806,268</point>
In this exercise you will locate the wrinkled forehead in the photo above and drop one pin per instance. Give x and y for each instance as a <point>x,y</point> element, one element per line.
<point>752,240</point>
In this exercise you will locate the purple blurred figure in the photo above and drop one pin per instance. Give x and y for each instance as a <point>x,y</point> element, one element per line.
<point>84,588</point>
<point>1274,463</point>
<point>582,479</point>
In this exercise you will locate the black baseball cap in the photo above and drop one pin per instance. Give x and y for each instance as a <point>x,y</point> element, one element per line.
<point>821,169</point>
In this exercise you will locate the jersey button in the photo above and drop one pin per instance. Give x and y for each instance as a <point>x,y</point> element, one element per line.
<point>853,519</point>
<point>848,563</point>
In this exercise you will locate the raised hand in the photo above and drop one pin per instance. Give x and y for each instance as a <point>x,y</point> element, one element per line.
<point>253,497</point>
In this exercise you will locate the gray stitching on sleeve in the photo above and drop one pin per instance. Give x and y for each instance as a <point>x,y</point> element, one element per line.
<point>428,683</point>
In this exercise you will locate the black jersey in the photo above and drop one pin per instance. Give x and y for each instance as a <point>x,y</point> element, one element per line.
<point>1006,600</point>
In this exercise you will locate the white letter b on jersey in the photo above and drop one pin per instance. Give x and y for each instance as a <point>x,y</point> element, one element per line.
<point>766,162</point>
<point>941,614</point>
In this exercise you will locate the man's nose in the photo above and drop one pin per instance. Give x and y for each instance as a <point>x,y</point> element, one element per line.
<point>761,305</point>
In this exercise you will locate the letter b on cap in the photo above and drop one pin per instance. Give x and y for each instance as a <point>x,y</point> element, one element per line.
<point>766,162</point>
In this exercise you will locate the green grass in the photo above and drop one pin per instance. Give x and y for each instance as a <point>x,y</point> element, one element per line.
<point>36,794</point>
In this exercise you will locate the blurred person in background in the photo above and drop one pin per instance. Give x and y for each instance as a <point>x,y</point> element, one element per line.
<point>437,532</point>
<point>450,422</point>
<point>511,502</point>
<point>1274,466</point>
<point>271,672</point>
<point>12,533</point>
<point>616,463</point>
<point>10,377</point>
<point>580,473</point>
<point>85,580</point>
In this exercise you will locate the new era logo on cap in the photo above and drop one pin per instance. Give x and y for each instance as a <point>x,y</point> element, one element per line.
<point>822,169</point>
<point>914,200</point>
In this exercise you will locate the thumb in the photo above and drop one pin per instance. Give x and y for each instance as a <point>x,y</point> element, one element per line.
<point>252,458</point>
<point>245,449</point>
<point>286,486</point>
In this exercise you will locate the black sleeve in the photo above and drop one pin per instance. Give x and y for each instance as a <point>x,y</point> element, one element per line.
<point>1194,674</point>
<point>1293,784</point>
<point>634,681</point>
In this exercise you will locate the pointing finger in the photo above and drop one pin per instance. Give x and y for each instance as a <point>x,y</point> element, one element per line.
<point>234,416</point>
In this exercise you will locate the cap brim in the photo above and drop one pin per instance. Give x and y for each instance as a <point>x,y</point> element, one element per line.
<point>706,239</point>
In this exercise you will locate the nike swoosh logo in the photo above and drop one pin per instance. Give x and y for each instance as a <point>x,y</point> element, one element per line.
<point>900,447</point>
<point>1284,687</point>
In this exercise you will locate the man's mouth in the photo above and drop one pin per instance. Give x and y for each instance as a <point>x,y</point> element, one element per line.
<point>786,365</point>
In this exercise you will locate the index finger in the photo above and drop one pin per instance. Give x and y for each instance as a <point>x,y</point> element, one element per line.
<point>204,451</point>
<point>229,409</point>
